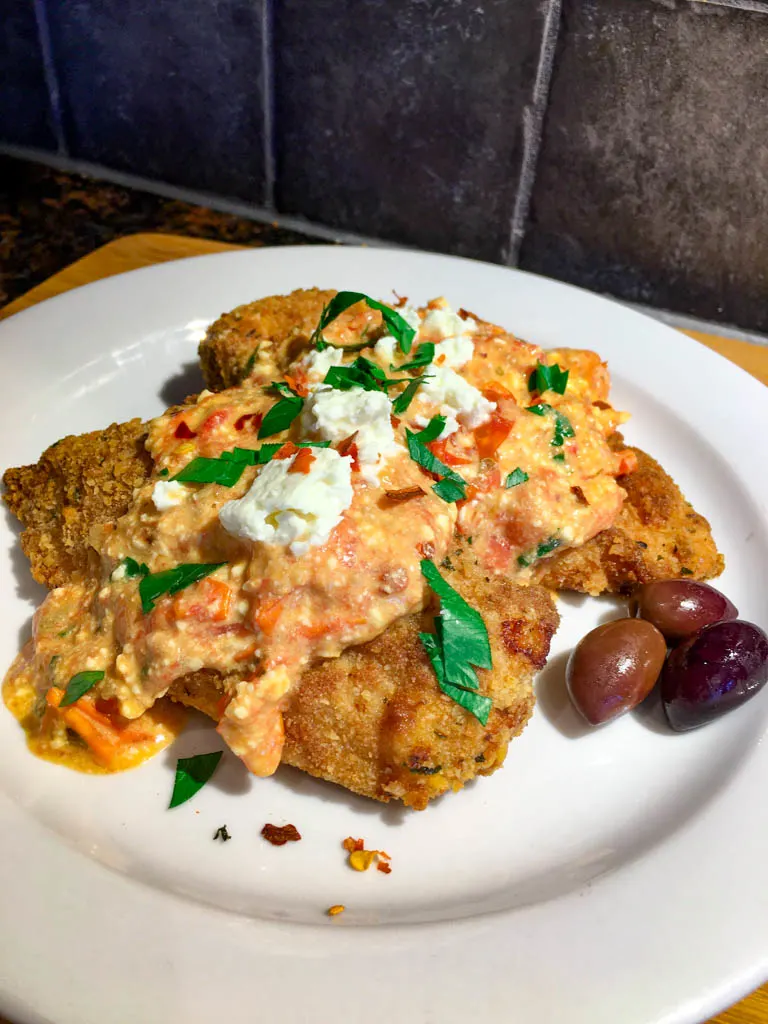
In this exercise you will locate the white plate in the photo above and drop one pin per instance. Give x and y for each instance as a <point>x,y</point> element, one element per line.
<point>615,875</point>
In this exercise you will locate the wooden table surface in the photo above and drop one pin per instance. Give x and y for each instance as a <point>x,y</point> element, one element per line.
<point>143,250</point>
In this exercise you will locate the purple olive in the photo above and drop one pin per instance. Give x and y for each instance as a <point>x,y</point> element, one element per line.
<point>680,608</point>
<point>613,668</point>
<point>714,672</point>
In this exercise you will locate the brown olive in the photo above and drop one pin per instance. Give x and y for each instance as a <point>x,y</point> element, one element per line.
<point>613,668</point>
<point>680,608</point>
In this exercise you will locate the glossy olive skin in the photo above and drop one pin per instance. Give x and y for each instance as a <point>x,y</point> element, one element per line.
<point>613,668</point>
<point>714,672</point>
<point>680,608</point>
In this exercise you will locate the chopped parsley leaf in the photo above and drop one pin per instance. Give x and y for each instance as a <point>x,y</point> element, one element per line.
<point>548,378</point>
<point>424,356</point>
<point>283,413</point>
<point>397,326</point>
<point>515,478</point>
<point>202,470</point>
<point>192,773</point>
<point>424,457</point>
<point>78,685</point>
<point>459,645</point>
<point>171,581</point>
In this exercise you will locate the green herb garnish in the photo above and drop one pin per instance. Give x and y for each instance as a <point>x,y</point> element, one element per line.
<point>211,471</point>
<point>399,328</point>
<point>515,478</point>
<point>424,356</point>
<point>401,403</point>
<point>361,374</point>
<point>78,685</point>
<point>459,645</point>
<point>133,569</point>
<point>283,413</point>
<point>424,457</point>
<point>685,572</point>
<point>563,429</point>
<point>171,581</point>
<point>548,545</point>
<point>563,426</point>
<point>432,431</point>
<point>548,378</point>
<point>560,457</point>
<point>163,471</point>
<point>192,773</point>
<point>524,561</point>
<point>250,362</point>
<point>424,769</point>
<point>222,833</point>
<point>450,491</point>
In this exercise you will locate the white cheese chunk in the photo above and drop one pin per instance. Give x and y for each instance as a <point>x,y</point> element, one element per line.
<point>167,494</point>
<point>456,399</point>
<point>335,415</point>
<point>384,350</point>
<point>299,510</point>
<point>317,364</point>
<point>452,336</point>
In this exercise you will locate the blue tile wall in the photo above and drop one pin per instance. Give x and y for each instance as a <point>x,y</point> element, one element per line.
<point>169,89</point>
<point>403,118</point>
<point>25,111</point>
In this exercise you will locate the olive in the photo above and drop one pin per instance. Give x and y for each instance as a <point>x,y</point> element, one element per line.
<point>713,672</point>
<point>613,668</point>
<point>680,608</point>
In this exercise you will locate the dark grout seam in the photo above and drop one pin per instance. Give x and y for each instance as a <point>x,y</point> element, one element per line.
<point>51,77</point>
<point>268,102</point>
<point>532,124</point>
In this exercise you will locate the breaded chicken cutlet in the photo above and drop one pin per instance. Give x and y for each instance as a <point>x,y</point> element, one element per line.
<point>372,720</point>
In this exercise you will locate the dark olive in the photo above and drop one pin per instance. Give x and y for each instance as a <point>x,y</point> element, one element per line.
<point>613,668</point>
<point>713,672</point>
<point>680,608</point>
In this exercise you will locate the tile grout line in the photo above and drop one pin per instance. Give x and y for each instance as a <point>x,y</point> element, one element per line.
<point>235,207</point>
<point>533,121</point>
<point>267,102</point>
<point>759,6</point>
<point>51,78</point>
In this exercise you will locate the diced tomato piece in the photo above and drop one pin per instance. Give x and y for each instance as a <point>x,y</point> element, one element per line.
<point>215,420</point>
<point>269,613</point>
<point>297,384</point>
<point>441,451</point>
<point>303,461</point>
<point>183,431</point>
<point>206,601</point>
<point>492,434</point>
<point>105,735</point>
<point>627,462</point>
<point>254,418</point>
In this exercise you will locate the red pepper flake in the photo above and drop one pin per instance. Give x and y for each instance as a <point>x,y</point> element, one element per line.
<point>400,300</point>
<point>350,844</point>
<point>256,417</point>
<point>183,432</point>
<point>348,447</point>
<point>394,421</point>
<point>287,450</point>
<point>405,494</point>
<point>383,867</point>
<point>361,859</point>
<point>279,835</point>
<point>303,461</point>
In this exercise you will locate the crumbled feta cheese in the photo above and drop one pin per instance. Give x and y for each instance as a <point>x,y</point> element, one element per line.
<point>296,509</point>
<point>453,337</point>
<point>384,350</point>
<point>317,364</point>
<point>455,398</point>
<point>411,316</point>
<point>335,415</point>
<point>167,493</point>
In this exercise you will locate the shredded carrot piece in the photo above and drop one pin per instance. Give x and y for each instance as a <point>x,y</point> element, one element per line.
<point>98,730</point>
